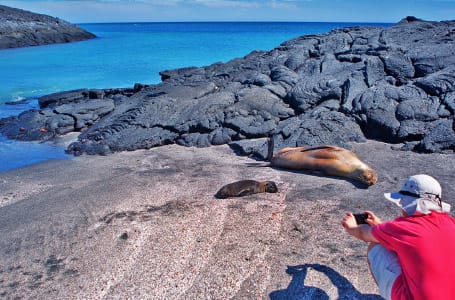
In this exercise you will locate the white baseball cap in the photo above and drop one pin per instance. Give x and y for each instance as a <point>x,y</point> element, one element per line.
<point>419,193</point>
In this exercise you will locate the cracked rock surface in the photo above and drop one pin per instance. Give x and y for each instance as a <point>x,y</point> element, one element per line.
<point>394,84</point>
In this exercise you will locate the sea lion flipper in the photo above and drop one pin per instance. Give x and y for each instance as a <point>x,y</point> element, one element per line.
<point>289,149</point>
<point>245,192</point>
<point>323,147</point>
<point>324,152</point>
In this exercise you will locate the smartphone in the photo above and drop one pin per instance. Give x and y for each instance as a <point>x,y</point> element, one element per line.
<point>361,218</point>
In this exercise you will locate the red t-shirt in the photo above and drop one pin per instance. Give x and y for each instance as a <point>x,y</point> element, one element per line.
<point>425,246</point>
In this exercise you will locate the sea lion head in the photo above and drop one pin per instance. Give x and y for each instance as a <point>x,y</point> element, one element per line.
<point>270,187</point>
<point>368,176</point>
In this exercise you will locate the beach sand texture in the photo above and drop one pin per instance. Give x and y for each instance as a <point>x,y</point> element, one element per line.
<point>145,225</point>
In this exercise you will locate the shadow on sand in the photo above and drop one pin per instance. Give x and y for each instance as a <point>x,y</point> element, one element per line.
<point>298,290</point>
<point>354,182</point>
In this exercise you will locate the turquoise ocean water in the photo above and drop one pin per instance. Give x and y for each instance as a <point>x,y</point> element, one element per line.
<point>124,54</point>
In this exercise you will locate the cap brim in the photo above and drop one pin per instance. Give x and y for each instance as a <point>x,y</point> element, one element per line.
<point>409,203</point>
<point>400,199</point>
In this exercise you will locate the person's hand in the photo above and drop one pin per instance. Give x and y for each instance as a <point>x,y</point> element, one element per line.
<point>372,219</point>
<point>348,221</point>
<point>362,231</point>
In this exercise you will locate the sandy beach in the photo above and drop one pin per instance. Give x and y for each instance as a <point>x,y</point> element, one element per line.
<point>145,225</point>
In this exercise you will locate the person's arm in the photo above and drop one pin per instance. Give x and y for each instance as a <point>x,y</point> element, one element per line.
<point>363,231</point>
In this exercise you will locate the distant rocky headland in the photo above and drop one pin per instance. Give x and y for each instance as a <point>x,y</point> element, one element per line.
<point>394,84</point>
<point>20,28</point>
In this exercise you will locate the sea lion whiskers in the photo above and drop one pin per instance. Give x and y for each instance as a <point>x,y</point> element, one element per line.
<point>268,187</point>
<point>368,176</point>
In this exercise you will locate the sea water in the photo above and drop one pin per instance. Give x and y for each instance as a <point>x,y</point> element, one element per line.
<point>124,54</point>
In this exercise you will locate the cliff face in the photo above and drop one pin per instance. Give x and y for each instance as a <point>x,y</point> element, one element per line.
<point>19,28</point>
<point>394,84</point>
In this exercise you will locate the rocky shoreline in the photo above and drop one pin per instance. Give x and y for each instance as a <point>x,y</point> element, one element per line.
<point>395,85</point>
<point>146,222</point>
<point>20,28</point>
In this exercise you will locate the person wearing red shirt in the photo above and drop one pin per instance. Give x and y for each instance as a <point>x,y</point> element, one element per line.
<point>411,257</point>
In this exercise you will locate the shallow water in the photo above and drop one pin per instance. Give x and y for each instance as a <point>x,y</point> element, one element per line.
<point>18,154</point>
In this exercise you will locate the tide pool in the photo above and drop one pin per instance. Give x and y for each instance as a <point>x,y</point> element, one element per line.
<point>18,154</point>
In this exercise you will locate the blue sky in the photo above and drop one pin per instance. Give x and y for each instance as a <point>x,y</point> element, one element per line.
<point>83,11</point>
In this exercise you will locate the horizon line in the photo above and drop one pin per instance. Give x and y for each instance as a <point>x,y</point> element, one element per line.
<point>238,21</point>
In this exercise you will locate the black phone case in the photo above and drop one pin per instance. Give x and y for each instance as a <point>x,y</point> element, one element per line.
<point>361,218</point>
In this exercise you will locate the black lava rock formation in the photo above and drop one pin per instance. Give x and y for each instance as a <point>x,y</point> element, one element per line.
<point>394,84</point>
<point>20,28</point>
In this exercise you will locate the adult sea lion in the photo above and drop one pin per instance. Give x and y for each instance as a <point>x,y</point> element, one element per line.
<point>329,160</point>
<point>246,187</point>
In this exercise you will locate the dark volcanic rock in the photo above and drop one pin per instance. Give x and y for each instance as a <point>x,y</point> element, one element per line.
<point>394,84</point>
<point>19,28</point>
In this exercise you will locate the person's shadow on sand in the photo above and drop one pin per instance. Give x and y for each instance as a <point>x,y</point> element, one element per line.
<point>298,290</point>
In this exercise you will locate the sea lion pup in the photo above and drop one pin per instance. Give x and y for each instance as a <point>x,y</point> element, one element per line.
<point>246,187</point>
<point>329,160</point>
